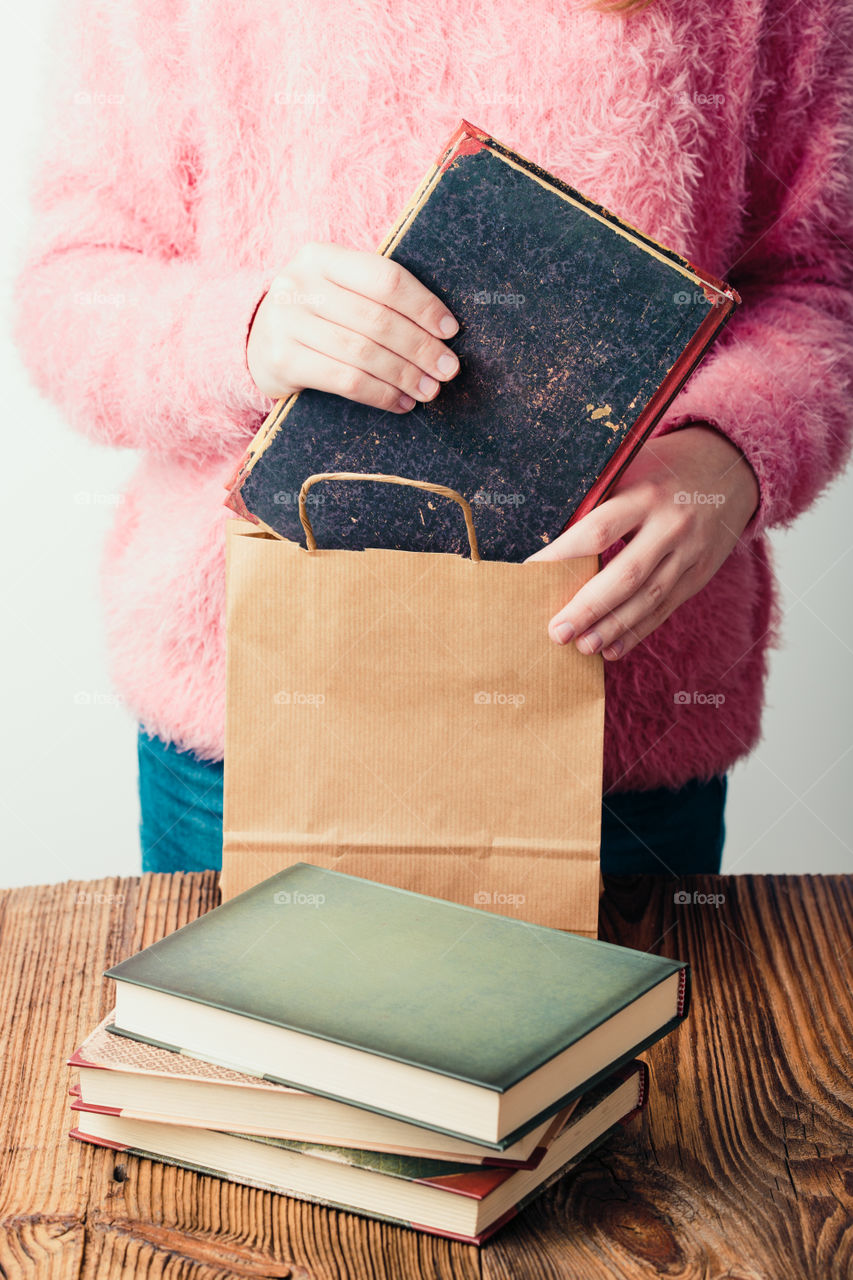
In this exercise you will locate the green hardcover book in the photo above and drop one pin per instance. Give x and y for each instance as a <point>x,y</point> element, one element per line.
<point>429,1195</point>
<point>446,1016</point>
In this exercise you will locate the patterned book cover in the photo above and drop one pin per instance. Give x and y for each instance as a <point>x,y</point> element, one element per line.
<point>337,1125</point>
<point>576,333</point>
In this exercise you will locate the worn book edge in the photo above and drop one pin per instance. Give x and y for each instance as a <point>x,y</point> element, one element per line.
<point>467,140</point>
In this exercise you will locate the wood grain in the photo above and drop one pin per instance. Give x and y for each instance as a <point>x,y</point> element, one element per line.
<point>741,1169</point>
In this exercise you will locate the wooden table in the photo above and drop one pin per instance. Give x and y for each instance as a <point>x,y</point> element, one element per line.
<point>741,1167</point>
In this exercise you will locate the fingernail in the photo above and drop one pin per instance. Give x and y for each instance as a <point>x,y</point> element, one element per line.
<point>613,650</point>
<point>405,402</point>
<point>563,632</point>
<point>428,386</point>
<point>448,325</point>
<point>447,363</point>
<point>591,642</point>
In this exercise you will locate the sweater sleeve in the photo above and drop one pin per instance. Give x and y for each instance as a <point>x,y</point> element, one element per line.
<point>121,324</point>
<point>778,381</point>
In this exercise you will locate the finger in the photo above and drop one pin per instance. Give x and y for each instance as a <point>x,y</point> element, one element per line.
<point>611,587</point>
<point>683,589</point>
<point>310,368</point>
<point>361,352</point>
<point>390,329</point>
<point>612,631</point>
<point>378,277</point>
<point>597,530</point>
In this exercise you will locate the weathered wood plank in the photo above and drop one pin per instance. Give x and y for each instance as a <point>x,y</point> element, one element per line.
<point>38,1247</point>
<point>742,1168</point>
<point>56,942</point>
<point>254,1232</point>
<point>767,1042</point>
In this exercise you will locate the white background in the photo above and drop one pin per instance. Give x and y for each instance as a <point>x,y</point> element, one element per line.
<point>68,767</point>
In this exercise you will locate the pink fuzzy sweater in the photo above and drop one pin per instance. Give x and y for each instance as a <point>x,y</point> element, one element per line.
<point>191,147</point>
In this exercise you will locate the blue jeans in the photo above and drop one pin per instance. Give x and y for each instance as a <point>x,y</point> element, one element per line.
<point>660,832</point>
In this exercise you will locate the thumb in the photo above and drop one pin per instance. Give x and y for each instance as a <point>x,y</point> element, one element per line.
<point>594,532</point>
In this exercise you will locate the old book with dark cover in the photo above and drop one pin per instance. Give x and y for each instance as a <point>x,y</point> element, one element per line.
<point>576,333</point>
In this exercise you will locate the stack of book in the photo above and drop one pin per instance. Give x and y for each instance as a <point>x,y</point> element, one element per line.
<point>374,1050</point>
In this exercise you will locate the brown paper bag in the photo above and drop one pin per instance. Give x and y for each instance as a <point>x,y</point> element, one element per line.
<point>404,716</point>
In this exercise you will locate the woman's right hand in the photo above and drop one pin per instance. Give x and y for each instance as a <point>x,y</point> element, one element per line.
<point>353,323</point>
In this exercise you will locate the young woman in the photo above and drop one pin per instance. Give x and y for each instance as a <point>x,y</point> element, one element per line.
<point>214,181</point>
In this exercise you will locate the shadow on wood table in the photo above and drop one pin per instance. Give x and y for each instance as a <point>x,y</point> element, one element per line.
<point>741,1168</point>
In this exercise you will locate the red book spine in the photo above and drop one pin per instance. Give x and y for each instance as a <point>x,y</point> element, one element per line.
<point>661,400</point>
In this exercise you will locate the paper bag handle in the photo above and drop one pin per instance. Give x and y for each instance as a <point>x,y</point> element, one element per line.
<point>441,489</point>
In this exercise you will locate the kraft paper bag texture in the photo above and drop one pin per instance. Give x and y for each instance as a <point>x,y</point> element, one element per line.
<point>405,717</point>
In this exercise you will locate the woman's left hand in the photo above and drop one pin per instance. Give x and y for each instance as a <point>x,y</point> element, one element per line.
<point>681,506</point>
